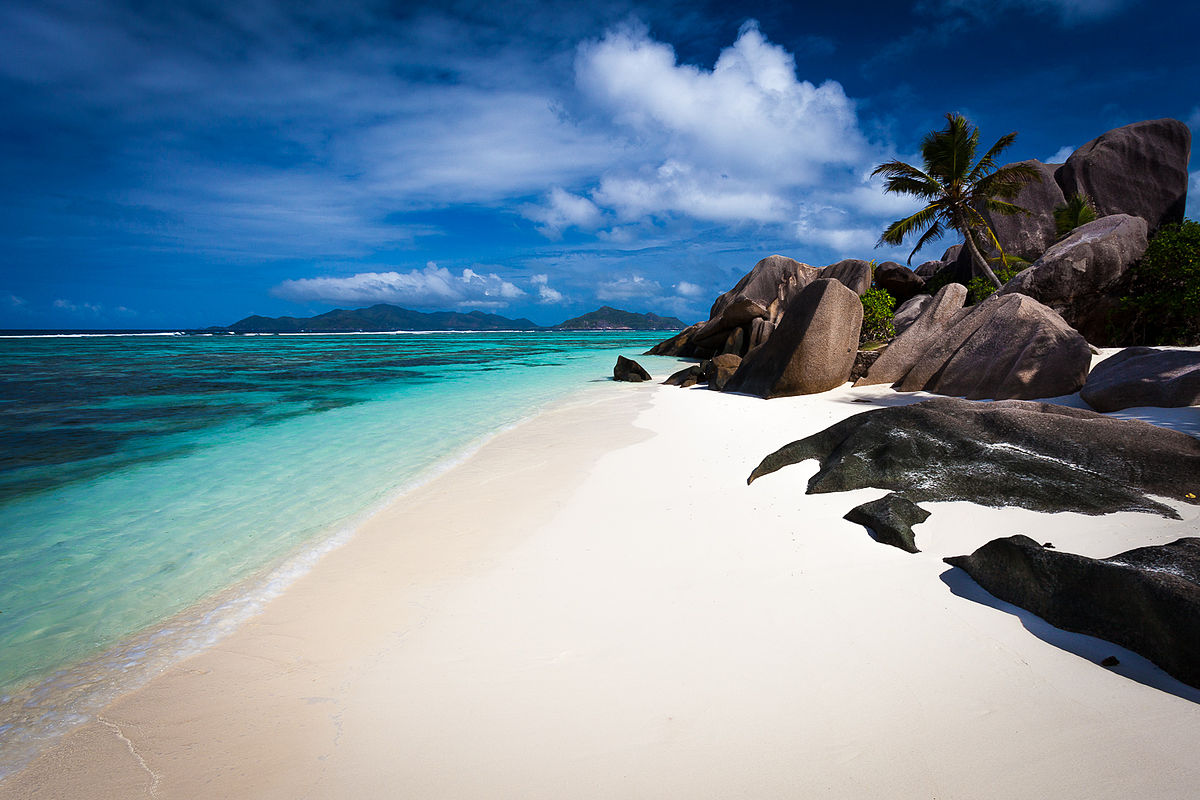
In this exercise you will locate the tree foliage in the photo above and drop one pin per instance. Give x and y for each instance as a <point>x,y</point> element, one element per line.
<point>954,185</point>
<point>878,309</point>
<point>1165,287</point>
<point>1078,210</point>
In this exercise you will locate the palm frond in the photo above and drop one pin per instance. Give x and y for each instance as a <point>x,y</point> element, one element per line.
<point>1007,181</point>
<point>901,229</point>
<point>899,169</point>
<point>1003,208</point>
<point>987,163</point>
<point>948,153</point>
<point>934,233</point>
<point>928,190</point>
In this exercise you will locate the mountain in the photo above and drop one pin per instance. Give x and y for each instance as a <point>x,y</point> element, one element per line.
<point>607,318</point>
<point>382,317</point>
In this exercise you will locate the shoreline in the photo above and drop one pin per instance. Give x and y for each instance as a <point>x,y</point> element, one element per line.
<point>594,604</point>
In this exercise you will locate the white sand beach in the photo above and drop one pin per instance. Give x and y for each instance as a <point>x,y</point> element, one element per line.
<point>597,605</point>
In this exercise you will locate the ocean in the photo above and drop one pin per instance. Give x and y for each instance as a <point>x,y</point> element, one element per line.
<point>155,490</point>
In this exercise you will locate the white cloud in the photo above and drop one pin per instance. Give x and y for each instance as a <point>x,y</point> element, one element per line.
<point>563,210</point>
<point>685,289</point>
<point>1060,156</point>
<point>432,286</point>
<point>679,187</point>
<point>547,295</point>
<point>634,286</point>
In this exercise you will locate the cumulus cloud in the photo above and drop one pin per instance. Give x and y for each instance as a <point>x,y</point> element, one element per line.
<point>563,210</point>
<point>686,289</point>
<point>432,286</point>
<point>547,295</point>
<point>628,288</point>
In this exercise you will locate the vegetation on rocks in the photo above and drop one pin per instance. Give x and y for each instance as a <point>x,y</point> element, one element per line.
<point>1164,288</point>
<point>878,308</point>
<point>1078,210</point>
<point>980,288</point>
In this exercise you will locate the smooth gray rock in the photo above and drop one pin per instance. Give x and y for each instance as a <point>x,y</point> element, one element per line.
<point>1073,275</point>
<point>771,283</point>
<point>1007,347</point>
<point>898,281</point>
<point>908,312</point>
<point>854,273</point>
<point>627,369</point>
<point>929,268</point>
<point>1038,456</point>
<point>1143,376</point>
<point>1029,235</point>
<point>813,348</point>
<point>917,337</point>
<point>688,376</point>
<point>1139,169</point>
<point>719,369</point>
<point>891,517</point>
<point>1147,600</point>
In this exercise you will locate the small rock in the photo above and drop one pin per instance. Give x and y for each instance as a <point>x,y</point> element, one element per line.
<point>627,369</point>
<point>1111,661</point>
<point>689,376</point>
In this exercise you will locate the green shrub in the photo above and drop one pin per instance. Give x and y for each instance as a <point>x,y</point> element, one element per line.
<point>1077,211</point>
<point>980,288</point>
<point>878,309</point>
<point>1164,289</point>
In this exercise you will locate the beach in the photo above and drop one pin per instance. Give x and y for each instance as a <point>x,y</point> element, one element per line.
<point>595,604</point>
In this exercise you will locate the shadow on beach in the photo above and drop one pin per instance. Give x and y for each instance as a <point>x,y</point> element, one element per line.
<point>1132,666</point>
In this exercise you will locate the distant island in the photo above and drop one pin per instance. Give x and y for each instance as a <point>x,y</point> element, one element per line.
<point>384,317</point>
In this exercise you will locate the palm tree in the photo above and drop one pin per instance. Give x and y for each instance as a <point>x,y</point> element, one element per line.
<point>1075,212</point>
<point>955,187</point>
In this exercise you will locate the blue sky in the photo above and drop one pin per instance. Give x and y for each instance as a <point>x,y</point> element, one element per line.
<point>190,163</point>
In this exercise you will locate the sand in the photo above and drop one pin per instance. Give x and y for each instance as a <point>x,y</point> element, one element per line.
<point>596,605</point>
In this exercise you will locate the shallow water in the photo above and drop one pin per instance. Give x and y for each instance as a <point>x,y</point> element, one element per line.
<point>141,475</point>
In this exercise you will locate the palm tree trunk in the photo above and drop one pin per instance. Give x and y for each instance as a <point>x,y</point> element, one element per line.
<point>981,265</point>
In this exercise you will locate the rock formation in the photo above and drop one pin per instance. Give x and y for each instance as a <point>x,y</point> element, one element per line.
<point>1073,276</point>
<point>898,281</point>
<point>1147,599</point>
<point>1143,376</point>
<point>1029,235</point>
<point>854,273</point>
<point>917,337</point>
<point>719,369</point>
<point>629,370</point>
<point>1007,347</point>
<point>908,312</point>
<point>688,376</point>
<point>1139,169</point>
<point>812,350</point>
<point>1008,453</point>
<point>891,517</point>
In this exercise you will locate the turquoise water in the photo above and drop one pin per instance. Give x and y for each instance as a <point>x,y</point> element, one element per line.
<point>141,475</point>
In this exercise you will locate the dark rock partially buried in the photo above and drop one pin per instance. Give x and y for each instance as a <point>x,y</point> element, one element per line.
<point>629,370</point>
<point>718,370</point>
<point>1143,376</point>
<point>1007,453</point>
<point>1147,599</point>
<point>891,517</point>
<point>688,376</point>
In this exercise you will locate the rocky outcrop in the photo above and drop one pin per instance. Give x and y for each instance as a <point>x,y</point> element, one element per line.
<point>1073,276</point>
<point>929,269</point>
<point>688,376</point>
<point>919,336</point>
<point>1139,169</point>
<point>1147,600</point>
<point>718,370</point>
<point>909,311</point>
<point>679,345</point>
<point>898,281</point>
<point>813,348</point>
<point>629,370</point>
<point>1143,376</point>
<point>771,284</point>
<point>1008,453</point>
<point>863,361</point>
<point>1029,235</point>
<point>891,517</point>
<point>1007,347</point>
<point>853,273</point>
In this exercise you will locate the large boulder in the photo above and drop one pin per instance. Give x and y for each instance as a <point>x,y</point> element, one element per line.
<point>627,369</point>
<point>771,284</point>
<point>719,369</point>
<point>1139,169</point>
<point>813,348</point>
<point>854,273</point>
<point>1147,599</point>
<point>909,311</point>
<point>891,517</point>
<point>688,376</point>
<point>1029,235</point>
<point>681,345</point>
<point>1007,347</point>
<point>1073,276</point>
<point>1143,376</point>
<point>908,347</point>
<point>898,281</point>
<point>929,269</point>
<point>1038,456</point>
